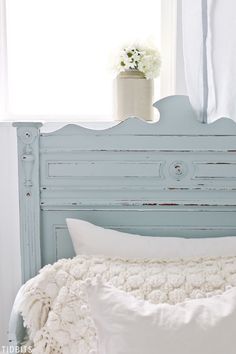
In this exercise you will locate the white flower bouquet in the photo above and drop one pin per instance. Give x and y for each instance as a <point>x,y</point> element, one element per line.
<point>145,59</point>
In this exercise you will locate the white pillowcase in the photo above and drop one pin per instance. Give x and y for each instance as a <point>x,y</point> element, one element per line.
<point>90,239</point>
<point>126,325</point>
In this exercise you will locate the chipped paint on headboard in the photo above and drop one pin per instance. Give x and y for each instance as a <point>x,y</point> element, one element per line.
<point>176,177</point>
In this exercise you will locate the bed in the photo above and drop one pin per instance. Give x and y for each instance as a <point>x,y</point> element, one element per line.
<point>175,177</point>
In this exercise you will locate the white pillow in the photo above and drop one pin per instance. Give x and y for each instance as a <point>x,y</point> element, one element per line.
<point>90,239</point>
<point>127,325</point>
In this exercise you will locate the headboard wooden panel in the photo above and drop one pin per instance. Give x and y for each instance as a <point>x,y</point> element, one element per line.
<point>176,177</point>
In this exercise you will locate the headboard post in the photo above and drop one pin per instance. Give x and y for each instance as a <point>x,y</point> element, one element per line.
<point>28,170</point>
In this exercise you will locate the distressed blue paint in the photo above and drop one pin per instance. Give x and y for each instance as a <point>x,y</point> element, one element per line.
<point>28,169</point>
<point>126,177</point>
<point>176,177</point>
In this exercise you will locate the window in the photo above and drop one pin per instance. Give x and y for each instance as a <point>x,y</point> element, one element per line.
<point>60,53</point>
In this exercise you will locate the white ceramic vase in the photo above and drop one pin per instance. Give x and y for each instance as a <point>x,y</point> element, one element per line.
<point>133,96</point>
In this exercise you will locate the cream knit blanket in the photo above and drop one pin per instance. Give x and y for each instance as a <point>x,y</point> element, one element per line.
<point>54,303</point>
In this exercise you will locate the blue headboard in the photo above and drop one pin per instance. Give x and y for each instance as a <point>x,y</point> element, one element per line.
<point>176,177</point>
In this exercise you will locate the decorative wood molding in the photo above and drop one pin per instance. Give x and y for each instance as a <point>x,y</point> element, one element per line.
<point>28,167</point>
<point>178,170</point>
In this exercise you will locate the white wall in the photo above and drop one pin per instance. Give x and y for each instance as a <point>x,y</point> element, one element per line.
<point>9,228</point>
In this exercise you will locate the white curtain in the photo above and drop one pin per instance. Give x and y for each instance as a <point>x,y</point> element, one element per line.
<point>209,35</point>
<point>3,59</point>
